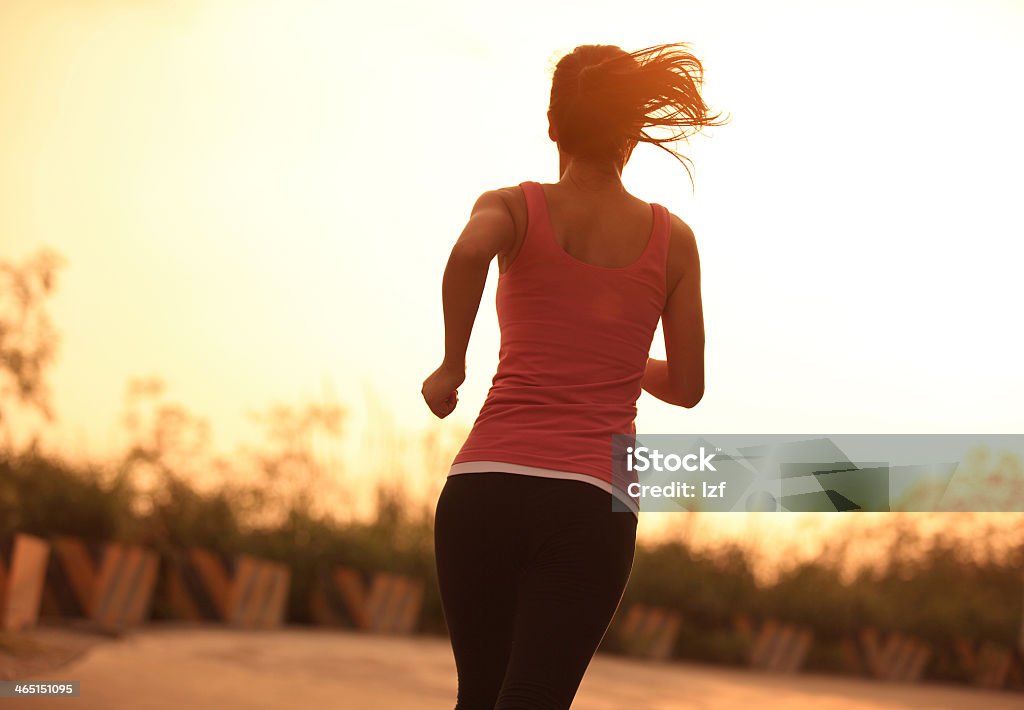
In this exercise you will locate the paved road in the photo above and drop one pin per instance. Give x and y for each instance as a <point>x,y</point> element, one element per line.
<point>168,668</point>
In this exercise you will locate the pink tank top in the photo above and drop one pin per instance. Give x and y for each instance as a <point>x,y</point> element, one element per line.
<point>575,338</point>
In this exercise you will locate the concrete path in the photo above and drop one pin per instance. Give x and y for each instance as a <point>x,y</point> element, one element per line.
<point>168,668</point>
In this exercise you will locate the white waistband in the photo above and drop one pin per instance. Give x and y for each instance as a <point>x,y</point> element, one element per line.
<point>503,467</point>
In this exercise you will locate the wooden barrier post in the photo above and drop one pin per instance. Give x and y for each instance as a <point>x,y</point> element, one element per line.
<point>649,632</point>
<point>775,646</point>
<point>242,590</point>
<point>987,665</point>
<point>376,602</point>
<point>339,598</point>
<point>275,604</point>
<point>23,560</point>
<point>900,658</point>
<point>108,583</point>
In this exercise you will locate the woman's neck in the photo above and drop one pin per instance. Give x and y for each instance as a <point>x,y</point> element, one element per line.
<point>592,178</point>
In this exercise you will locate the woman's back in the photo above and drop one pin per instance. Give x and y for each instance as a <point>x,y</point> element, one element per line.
<point>607,228</point>
<point>575,335</point>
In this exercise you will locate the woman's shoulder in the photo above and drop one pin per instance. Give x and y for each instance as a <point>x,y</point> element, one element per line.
<point>514,199</point>
<point>513,192</point>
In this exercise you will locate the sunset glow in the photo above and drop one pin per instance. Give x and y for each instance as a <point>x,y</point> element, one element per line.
<point>256,201</point>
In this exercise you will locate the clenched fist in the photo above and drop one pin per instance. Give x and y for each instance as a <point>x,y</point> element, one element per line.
<point>441,390</point>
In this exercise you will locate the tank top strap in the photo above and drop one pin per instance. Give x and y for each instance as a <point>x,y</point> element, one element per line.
<point>538,219</point>
<point>538,224</point>
<point>535,204</point>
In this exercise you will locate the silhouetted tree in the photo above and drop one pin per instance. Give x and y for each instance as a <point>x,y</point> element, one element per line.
<point>28,339</point>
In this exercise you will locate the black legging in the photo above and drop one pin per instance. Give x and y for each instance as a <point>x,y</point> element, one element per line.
<point>531,571</point>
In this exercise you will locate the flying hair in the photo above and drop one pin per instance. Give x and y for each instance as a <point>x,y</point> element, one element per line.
<point>604,100</point>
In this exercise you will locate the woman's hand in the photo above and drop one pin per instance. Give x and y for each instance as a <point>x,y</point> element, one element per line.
<point>441,390</point>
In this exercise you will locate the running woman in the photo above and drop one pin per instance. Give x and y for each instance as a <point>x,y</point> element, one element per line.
<point>531,558</point>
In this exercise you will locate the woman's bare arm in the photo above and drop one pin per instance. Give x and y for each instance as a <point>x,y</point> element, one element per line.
<point>679,379</point>
<point>489,232</point>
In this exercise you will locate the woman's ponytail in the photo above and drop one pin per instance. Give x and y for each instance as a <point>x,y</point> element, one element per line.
<point>603,99</point>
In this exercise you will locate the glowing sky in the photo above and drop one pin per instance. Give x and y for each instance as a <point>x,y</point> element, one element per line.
<point>257,198</point>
